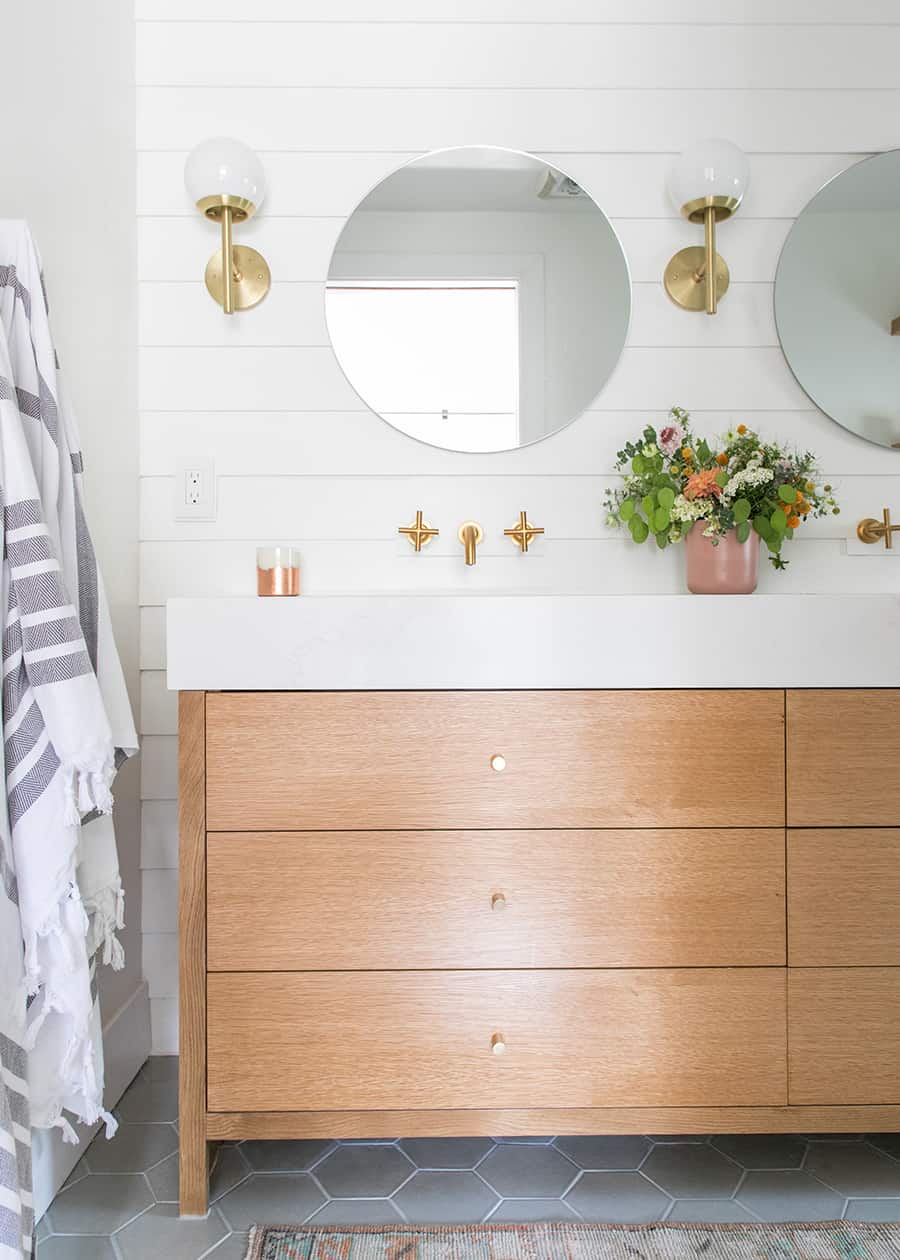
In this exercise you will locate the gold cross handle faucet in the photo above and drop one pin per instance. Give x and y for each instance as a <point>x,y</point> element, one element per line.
<point>419,533</point>
<point>871,531</point>
<point>523,534</point>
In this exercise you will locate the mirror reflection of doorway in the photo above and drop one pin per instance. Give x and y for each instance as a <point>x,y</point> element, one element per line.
<point>459,341</point>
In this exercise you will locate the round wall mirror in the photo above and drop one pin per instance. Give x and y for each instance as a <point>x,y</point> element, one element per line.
<point>478,299</point>
<point>837,299</point>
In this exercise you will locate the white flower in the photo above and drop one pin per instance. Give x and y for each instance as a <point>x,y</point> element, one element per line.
<point>689,510</point>
<point>649,450</point>
<point>752,475</point>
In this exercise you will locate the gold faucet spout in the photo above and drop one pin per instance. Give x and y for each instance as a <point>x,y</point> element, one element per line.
<point>470,534</point>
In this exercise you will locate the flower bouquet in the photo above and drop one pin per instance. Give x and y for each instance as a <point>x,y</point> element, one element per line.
<point>723,499</point>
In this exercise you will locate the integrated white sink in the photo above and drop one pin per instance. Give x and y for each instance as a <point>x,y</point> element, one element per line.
<point>492,642</point>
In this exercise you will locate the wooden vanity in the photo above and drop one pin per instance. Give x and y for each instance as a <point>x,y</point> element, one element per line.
<point>499,912</point>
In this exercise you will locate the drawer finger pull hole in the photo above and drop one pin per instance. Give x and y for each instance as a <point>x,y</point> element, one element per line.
<point>498,1045</point>
<point>498,762</point>
<point>498,901</point>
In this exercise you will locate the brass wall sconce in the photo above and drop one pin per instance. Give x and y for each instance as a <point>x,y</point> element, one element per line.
<point>226,181</point>
<point>872,531</point>
<point>420,533</point>
<point>523,534</point>
<point>706,184</point>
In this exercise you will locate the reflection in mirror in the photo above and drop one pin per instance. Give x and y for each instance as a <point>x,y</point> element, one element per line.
<point>478,299</point>
<point>837,295</point>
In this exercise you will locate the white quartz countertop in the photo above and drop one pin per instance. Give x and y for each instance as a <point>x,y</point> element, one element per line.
<point>358,643</point>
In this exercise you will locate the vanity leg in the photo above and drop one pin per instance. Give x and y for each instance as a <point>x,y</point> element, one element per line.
<point>194,1155</point>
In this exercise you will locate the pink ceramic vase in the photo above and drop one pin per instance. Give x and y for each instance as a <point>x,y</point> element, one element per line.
<point>731,568</point>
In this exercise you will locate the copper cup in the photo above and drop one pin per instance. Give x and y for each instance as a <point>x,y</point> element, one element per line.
<point>277,571</point>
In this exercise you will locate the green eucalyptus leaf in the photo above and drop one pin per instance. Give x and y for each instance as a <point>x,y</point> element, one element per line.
<point>626,511</point>
<point>665,497</point>
<point>648,503</point>
<point>661,519</point>
<point>762,527</point>
<point>743,531</point>
<point>639,529</point>
<point>787,494</point>
<point>662,539</point>
<point>722,478</point>
<point>637,464</point>
<point>778,521</point>
<point>741,510</point>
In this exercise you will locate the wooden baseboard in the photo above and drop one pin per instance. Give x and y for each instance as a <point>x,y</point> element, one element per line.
<point>235,1125</point>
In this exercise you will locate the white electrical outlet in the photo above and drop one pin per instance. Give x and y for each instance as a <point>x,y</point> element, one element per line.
<point>195,490</point>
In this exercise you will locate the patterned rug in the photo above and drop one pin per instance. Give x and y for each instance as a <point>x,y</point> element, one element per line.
<point>830,1240</point>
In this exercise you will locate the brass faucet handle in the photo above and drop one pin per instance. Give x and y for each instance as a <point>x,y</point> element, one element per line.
<point>872,531</point>
<point>420,533</point>
<point>524,533</point>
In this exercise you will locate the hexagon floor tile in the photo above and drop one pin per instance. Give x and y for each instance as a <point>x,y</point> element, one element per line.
<point>618,1198</point>
<point>692,1172</point>
<point>363,1172</point>
<point>448,1198</point>
<point>129,1186</point>
<point>854,1169</point>
<point>528,1172</point>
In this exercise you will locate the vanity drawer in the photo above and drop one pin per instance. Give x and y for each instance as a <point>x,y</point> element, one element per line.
<point>393,760</point>
<point>844,1035</point>
<point>844,897</point>
<point>843,758</point>
<point>401,1040</point>
<point>282,901</point>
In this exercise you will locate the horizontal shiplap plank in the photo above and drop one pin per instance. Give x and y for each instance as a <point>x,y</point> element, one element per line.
<point>159,707</point>
<point>624,185</point>
<point>270,379</point>
<point>300,249</point>
<point>324,509</point>
<point>164,1025</point>
<point>618,121</point>
<point>160,962</point>
<point>159,901</point>
<point>491,55</point>
<point>605,566</point>
<point>159,831</point>
<point>159,759</point>
<point>360,444</point>
<point>514,11</point>
<point>153,638</point>
<point>183,314</point>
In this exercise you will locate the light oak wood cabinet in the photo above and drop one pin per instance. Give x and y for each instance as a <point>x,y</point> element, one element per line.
<point>443,913</point>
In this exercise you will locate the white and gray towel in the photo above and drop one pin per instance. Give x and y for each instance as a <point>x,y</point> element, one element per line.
<point>66,717</point>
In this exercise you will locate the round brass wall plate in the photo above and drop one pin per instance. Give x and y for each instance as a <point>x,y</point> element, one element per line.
<point>681,281</point>
<point>254,281</point>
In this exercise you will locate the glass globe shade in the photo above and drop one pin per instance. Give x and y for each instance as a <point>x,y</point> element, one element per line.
<point>224,167</point>
<point>710,168</point>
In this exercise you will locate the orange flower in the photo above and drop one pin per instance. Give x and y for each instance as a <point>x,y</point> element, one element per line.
<point>785,508</point>
<point>803,508</point>
<point>721,459</point>
<point>793,522</point>
<point>702,485</point>
<point>742,429</point>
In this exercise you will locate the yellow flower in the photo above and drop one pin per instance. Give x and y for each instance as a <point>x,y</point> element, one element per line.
<point>686,453</point>
<point>742,429</point>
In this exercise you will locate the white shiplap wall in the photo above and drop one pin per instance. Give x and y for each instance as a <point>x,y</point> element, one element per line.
<point>336,93</point>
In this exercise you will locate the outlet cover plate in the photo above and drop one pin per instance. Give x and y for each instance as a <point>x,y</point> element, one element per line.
<point>195,490</point>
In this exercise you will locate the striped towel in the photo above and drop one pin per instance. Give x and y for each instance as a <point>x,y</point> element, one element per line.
<point>67,726</point>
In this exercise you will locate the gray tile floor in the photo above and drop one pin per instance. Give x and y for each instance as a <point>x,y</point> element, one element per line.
<point>120,1202</point>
